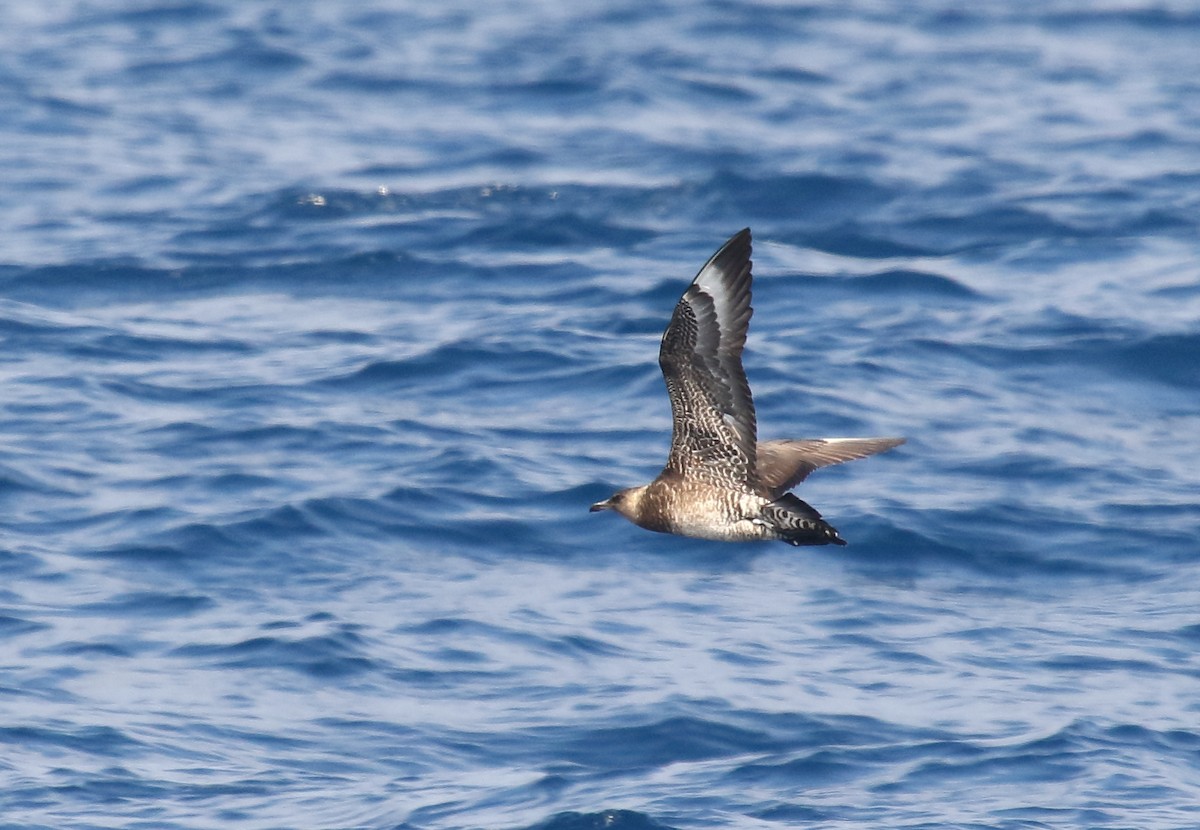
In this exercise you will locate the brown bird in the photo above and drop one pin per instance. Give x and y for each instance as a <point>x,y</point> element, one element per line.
<point>720,482</point>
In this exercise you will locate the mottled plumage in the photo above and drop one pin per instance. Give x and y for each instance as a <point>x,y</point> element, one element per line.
<point>719,481</point>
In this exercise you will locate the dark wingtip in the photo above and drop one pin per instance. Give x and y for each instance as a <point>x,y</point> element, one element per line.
<point>739,239</point>
<point>732,260</point>
<point>737,246</point>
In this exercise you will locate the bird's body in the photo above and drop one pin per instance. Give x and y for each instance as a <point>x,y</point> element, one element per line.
<point>720,482</point>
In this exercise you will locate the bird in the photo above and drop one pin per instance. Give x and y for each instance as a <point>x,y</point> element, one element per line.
<point>720,482</point>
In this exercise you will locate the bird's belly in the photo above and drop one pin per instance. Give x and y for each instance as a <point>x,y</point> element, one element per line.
<point>724,519</point>
<point>741,530</point>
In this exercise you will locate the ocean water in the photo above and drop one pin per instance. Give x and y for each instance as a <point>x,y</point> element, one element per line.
<point>322,325</point>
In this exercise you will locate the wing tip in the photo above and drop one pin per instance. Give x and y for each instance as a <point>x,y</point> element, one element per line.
<point>728,271</point>
<point>883,443</point>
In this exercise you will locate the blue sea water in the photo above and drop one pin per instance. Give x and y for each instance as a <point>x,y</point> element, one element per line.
<point>323,323</point>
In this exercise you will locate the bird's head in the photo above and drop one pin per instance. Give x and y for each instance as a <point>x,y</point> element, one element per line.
<point>626,502</point>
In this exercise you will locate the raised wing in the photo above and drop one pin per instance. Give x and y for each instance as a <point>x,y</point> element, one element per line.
<point>782,465</point>
<point>714,431</point>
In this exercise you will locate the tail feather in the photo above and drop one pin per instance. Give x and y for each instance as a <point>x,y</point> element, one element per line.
<point>798,522</point>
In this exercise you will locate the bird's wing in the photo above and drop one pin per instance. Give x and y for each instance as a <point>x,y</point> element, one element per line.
<point>781,465</point>
<point>714,432</point>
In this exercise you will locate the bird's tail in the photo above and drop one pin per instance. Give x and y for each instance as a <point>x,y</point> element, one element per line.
<point>798,523</point>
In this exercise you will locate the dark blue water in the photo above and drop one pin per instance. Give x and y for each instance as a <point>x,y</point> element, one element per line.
<point>324,323</point>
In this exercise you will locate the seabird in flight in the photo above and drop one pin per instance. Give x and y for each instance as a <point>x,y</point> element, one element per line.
<point>720,481</point>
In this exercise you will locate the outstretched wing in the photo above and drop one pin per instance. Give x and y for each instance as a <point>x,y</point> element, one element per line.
<point>714,432</point>
<point>784,464</point>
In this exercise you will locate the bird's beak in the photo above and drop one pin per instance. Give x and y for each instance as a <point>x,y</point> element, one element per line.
<point>601,505</point>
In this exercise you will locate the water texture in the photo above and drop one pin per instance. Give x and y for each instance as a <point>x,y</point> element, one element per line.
<point>323,323</point>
